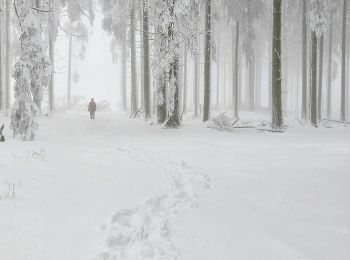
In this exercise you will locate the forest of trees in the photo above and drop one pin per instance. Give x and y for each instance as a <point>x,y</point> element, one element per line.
<point>276,56</point>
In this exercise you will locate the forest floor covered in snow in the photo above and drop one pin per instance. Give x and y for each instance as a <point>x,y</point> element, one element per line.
<point>117,188</point>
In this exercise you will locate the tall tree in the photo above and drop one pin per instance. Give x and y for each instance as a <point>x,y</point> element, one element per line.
<point>313,90</point>
<point>236,72</point>
<point>31,68</point>
<point>185,82</point>
<point>319,24</point>
<point>330,62</point>
<point>7,57</point>
<point>320,79</point>
<point>343,67</point>
<point>304,60</point>
<point>133,96</point>
<point>207,61</point>
<point>69,75</point>
<point>2,103</point>
<point>123,68</point>
<point>146,63</point>
<point>277,116</point>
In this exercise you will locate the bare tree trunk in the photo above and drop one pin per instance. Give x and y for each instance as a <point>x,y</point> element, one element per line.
<point>146,70</point>
<point>313,93</point>
<point>185,82</point>
<point>2,101</point>
<point>347,82</point>
<point>252,83</point>
<point>218,70</point>
<point>133,94</point>
<point>70,50</point>
<point>236,80</point>
<point>343,66</point>
<point>304,62</point>
<point>320,79</point>
<point>207,63</point>
<point>224,78</point>
<point>142,54</point>
<point>330,61</point>
<point>196,84</point>
<point>7,58</point>
<point>161,104</point>
<point>277,116</point>
<point>123,70</point>
<point>52,59</point>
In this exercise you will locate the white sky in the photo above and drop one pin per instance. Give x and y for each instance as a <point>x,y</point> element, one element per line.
<point>99,77</point>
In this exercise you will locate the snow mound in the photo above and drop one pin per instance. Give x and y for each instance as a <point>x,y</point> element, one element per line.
<point>142,232</point>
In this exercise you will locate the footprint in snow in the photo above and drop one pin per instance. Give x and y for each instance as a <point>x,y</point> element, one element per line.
<point>143,232</point>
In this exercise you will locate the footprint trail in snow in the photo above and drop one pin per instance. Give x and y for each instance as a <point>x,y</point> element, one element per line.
<point>142,232</point>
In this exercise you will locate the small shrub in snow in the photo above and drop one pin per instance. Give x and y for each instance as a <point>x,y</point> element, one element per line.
<point>223,122</point>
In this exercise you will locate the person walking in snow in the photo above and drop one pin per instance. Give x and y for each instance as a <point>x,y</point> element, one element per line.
<point>92,108</point>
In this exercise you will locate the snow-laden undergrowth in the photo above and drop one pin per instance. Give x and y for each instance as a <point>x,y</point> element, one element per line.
<point>142,232</point>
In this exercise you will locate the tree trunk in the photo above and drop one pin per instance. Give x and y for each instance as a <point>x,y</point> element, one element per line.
<point>320,79</point>
<point>142,54</point>
<point>2,103</point>
<point>70,50</point>
<point>343,66</point>
<point>330,61</point>
<point>52,59</point>
<point>277,117</point>
<point>304,62</point>
<point>252,83</point>
<point>133,94</point>
<point>146,68</point>
<point>161,104</point>
<point>7,58</point>
<point>185,82</point>
<point>174,118</point>
<point>218,71</point>
<point>123,71</point>
<point>207,57</point>
<point>313,91</point>
<point>236,66</point>
<point>195,85</point>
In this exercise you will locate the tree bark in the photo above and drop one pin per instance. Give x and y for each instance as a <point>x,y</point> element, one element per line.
<point>313,91</point>
<point>52,59</point>
<point>70,50</point>
<point>161,106</point>
<point>185,82</point>
<point>142,54</point>
<point>133,94</point>
<point>277,117</point>
<point>304,62</point>
<point>207,63</point>
<point>343,67</point>
<point>236,66</point>
<point>330,61</point>
<point>146,68</point>
<point>252,83</point>
<point>7,58</point>
<point>320,79</point>
<point>218,70</point>
<point>2,101</point>
<point>123,70</point>
<point>195,85</point>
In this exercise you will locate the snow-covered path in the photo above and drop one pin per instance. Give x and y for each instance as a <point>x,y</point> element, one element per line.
<point>85,188</point>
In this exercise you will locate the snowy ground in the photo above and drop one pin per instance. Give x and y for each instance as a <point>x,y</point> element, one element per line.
<point>116,188</point>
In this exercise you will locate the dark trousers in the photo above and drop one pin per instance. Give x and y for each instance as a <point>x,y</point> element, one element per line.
<point>92,114</point>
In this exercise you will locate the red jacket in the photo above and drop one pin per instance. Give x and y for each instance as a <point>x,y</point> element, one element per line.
<point>92,106</point>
